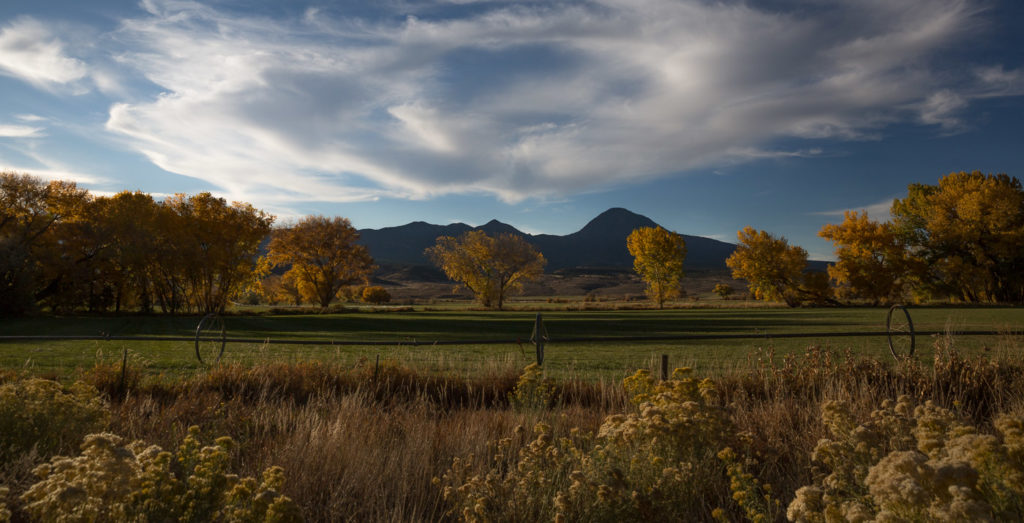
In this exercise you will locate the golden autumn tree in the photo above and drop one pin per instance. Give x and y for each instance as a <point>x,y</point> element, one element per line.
<point>128,222</point>
<point>658,258</point>
<point>966,235</point>
<point>872,261</point>
<point>774,270</point>
<point>489,266</point>
<point>32,212</point>
<point>323,256</point>
<point>218,246</point>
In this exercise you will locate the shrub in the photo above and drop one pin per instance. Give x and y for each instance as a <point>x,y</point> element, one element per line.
<point>5,513</point>
<point>110,482</point>
<point>533,390</point>
<point>914,463</point>
<point>41,414</point>
<point>656,463</point>
<point>376,295</point>
<point>723,290</point>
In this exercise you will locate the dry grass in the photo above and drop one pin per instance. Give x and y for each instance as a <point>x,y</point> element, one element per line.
<point>364,442</point>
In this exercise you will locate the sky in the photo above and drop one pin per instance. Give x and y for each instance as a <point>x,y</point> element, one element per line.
<point>706,116</point>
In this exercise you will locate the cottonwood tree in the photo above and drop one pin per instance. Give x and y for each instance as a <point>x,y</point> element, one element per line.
<point>219,247</point>
<point>31,213</point>
<point>872,261</point>
<point>775,270</point>
<point>966,236</point>
<point>323,256</point>
<point>658,258</point>
<point>489,266</point>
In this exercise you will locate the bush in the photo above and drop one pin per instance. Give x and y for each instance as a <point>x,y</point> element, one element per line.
<point>658,463</point>
<point>110,482</point>
<point>533,390</point>
<point>41,414</point>
<point>914,463</point>
<point>376,295</point>
<point>723,290</point>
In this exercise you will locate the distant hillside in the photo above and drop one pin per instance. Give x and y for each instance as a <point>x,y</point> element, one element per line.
<point>599,244</point>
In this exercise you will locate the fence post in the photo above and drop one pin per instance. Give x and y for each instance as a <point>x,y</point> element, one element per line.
<point>539,335</point>
<point>664,367</point>
<point>124,372</point>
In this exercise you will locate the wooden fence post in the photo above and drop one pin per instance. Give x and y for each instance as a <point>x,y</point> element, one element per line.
<point>664,367</point>
<point>538,338</point>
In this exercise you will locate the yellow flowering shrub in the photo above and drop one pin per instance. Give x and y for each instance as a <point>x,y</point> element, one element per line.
<point>43,414</point>
<point>5,513</point>
<point>913,463</point>
<point>136,482</point>
<point>658,462</point>
<point>753,496</point>
<point>533,390</point>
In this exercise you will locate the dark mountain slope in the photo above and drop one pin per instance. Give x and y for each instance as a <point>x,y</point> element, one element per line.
<point>600,243</point>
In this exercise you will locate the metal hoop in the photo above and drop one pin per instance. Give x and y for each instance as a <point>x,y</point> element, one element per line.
<point>210,322</point>
<point>892,333</point>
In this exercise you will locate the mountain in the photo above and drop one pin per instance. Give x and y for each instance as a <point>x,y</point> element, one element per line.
<point>601,243</point>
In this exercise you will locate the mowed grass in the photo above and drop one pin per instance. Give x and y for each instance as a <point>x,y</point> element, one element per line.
<point>595,360</point>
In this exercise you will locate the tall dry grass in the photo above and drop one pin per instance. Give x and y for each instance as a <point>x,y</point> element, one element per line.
<point>364,443</point>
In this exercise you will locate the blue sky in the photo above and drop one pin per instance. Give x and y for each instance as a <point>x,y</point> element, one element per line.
<point>704,115</point>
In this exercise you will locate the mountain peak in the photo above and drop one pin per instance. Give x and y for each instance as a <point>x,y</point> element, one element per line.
<point>615,221</point>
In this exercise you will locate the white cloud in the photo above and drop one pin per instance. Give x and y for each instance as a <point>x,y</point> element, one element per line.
<point>30,51</point>
<point>20,131</point>
<point>53,174</point>
<point>528,100</point>
<point>876,211</point>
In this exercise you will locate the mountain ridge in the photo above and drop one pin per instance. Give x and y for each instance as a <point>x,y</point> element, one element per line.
<point>601,243</point>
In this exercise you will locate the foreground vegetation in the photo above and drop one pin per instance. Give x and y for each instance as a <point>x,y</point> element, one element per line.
<point>811,436</point>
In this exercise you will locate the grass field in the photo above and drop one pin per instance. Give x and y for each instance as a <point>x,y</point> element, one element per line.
<point>589,360</point>
<point>358,445</point>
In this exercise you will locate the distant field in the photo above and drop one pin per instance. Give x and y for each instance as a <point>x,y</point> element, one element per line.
<point>593,360</point>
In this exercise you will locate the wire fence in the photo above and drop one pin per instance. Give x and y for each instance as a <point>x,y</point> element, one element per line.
<point>899,332</point>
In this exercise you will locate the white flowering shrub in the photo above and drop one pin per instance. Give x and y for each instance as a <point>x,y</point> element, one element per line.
<point>44,415</point>
<point>913,463</point>
<point>136,482</point>
<point>656,463</point>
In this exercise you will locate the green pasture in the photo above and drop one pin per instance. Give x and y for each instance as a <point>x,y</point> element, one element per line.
<point>593,360</point>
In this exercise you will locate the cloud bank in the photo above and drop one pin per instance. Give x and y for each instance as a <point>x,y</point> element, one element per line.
<point>519,100</point>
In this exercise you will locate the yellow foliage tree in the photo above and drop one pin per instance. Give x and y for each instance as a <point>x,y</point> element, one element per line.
<point>489,266</point>
<point>218,247</point>
<point>773,269</point>
<point>323,256</point>
<point>658,259</point>
<point>872,261</point>
<point>966,235</point>
<point>31,214</point>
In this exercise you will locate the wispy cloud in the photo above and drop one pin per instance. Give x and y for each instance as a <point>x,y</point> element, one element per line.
<point>31,52</point>
<point>876,211</point>
<point>20,131</point>
<point>528,100</point>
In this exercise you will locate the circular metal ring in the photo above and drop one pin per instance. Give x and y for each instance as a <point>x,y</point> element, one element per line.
<point>211,322</point>
<point>900,331</point>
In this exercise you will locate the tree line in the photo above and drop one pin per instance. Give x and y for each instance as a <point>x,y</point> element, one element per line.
<point>65,249</point>
<point>960,240</point>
